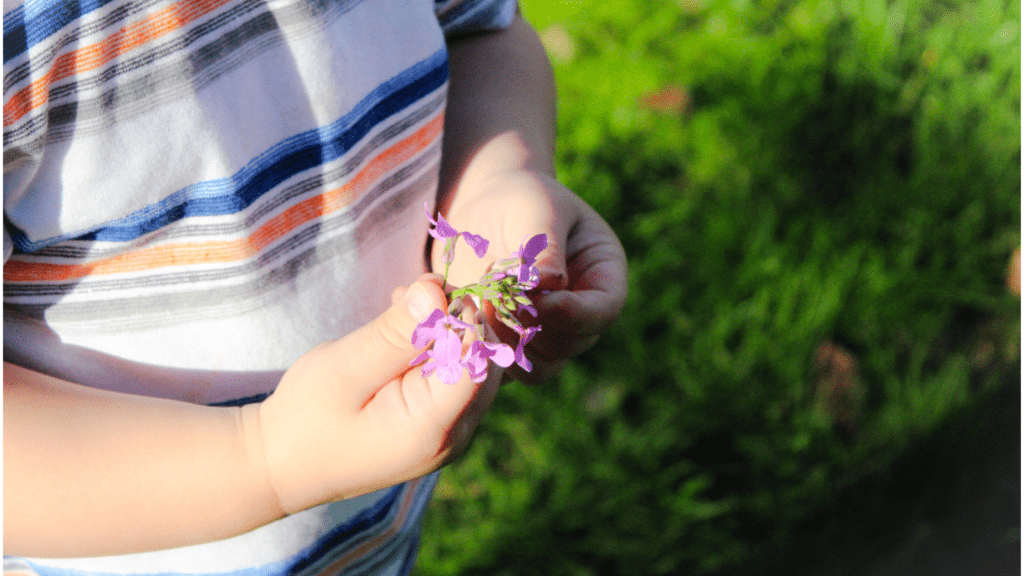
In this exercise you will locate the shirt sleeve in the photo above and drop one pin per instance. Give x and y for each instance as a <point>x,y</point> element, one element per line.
<point>459,17</point>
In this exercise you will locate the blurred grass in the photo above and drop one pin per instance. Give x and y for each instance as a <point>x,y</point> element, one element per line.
<point>819,199</point>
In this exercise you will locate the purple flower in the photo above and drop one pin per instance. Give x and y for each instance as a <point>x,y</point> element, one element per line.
<point>445,355</point>
<point>442,229</point>
<point>435,326</point>
<point>528,276</point>
<point>427,330</point>
<point>441,333</point>
<point>526,273</point>
<point>529,250</point>
<point>477,243</point>
<point>478,354</point>
<point>525,335</point>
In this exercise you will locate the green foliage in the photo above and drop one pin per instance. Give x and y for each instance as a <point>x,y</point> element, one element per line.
<point>840,171</point>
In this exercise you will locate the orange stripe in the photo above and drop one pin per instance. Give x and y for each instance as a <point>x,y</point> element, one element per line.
<point>183,254</point>
<point>93,56</point>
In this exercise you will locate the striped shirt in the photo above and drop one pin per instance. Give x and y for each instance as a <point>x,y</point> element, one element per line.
<point>198,192</point>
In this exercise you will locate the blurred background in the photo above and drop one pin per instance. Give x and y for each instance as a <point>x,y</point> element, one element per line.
<point>818,368</point>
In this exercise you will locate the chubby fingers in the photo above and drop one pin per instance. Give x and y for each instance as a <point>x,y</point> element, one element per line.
<point>442,416</point>
<point>596,293</point>
<point>574,318</point>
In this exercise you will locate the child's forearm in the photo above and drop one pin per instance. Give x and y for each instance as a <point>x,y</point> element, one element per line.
<point>94,472</point>
<point>501,109</point>
<point>90,472</point>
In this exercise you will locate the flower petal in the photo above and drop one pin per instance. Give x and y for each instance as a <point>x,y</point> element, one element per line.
<point>428,368</point>
<point>447,348</point>
<point>524,338</point>
<point>427,330</point>
<point>475,362</point>
<point>523,274</point>
<point>533,247</point>
<point>420,358</point>
<point>447,352</point>
<point>477,243</point>
<point>522,360</point>
<point>444,229</point>
<point>501,354</point>
<point>449,373</point>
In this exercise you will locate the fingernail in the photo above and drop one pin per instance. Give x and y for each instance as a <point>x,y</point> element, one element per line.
<point>418,301</point>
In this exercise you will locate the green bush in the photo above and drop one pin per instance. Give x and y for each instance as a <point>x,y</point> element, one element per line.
<point>827,172</point>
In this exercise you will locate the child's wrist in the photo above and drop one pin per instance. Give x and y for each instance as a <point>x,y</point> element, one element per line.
<point>250,425</point>
<point>469,189</point>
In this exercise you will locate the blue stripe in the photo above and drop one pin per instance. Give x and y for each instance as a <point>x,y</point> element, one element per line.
<point>243,401</point>
<point>361,522</point>
<point>361,525</point>
<point>37,20</point>
<point>484,16</point>
<point>292,156</point>
<point>390,551</point>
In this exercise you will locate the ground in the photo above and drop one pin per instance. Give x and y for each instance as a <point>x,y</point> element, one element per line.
<point>950,508</point>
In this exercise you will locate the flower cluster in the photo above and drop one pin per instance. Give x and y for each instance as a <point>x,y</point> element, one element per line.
<point>504,286</point>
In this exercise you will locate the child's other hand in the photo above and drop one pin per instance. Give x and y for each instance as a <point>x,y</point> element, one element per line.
<point>583,267</point>
<point>352,416</point>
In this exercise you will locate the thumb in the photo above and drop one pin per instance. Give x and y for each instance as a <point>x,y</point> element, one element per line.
<point>380,351</point>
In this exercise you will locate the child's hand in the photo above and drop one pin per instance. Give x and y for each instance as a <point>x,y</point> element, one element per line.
<point>583,267</point>
<point>352,416</point>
